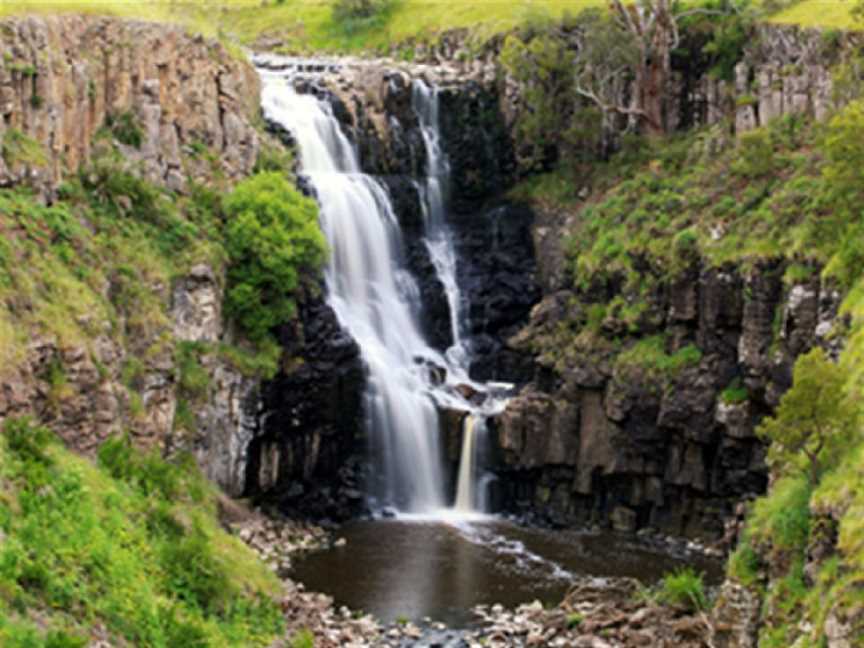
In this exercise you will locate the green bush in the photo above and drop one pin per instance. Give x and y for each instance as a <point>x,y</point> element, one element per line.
<point>756,154</point>
<point>273,243</point>
<point>815,422</point>
<point>684,588</point>
<point>735,392</point>
<point>126,129</point>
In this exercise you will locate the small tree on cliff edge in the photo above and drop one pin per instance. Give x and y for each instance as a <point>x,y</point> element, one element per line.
<point>815,420</point>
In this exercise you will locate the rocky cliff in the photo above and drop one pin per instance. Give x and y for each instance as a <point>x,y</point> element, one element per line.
<point>603,438</point>
<point>181,111</point>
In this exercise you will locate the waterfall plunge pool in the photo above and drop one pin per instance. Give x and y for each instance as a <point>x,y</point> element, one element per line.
<point>398,569</point>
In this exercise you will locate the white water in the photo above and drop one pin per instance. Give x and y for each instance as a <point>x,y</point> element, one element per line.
<point>439,239</point>
<point>376,299</point>
<point>465,485</point>
<point>470,488</point>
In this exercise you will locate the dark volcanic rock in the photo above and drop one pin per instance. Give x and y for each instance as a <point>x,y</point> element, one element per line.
<point>314,421</point>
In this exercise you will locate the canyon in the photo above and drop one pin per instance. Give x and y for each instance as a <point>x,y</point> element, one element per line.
<point>426,370</point>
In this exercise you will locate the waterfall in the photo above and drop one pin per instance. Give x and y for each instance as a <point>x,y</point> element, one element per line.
<point>470,493</point>
<point>376,300</point>
<point>371,292</point>
<point>439,239</point>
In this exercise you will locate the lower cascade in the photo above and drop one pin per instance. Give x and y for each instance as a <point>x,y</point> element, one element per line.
<point>376,299</point>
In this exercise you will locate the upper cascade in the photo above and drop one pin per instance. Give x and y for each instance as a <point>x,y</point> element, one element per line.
<point>377,300</point>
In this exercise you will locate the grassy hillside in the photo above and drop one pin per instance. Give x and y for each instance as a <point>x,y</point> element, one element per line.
<point>135,552</point>
<point>833,14</point>
<point>307,25</point>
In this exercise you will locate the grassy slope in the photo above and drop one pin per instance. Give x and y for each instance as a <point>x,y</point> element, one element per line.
<point>306,25</point>
<point>834,14</point>
<point>135,552</point>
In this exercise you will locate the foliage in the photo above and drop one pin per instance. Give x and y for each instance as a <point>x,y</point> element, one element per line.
<point>193,377</point>
<point>272,239</point>
<point>784,518</point>
<point>541,63</point>
<point>684,588</point>
<point>126,129</point>
<point>815,421</point>
<point>735,392</point>
<point>756,154</point>
<point>303,639</point>
<point>721,29</point>
<point>17,148</point>
<point>650,353</point>
<point>132,546</point>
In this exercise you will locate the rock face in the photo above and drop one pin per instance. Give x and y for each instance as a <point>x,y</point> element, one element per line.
<point>62,78</point>
<point>594,439</point>
<point>307,457</point>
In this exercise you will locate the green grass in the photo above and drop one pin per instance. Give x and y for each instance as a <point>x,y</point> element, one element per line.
<point>683,588</point>
<point>100,259</point>
<point>735,392</point>
<point>132,545</point>
<point>650,354</point>
<point>306,25</point>
<point>836,14</point>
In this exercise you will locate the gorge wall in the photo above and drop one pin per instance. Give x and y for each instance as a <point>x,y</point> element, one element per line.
<point>63,82</point>
<point>587,440</point>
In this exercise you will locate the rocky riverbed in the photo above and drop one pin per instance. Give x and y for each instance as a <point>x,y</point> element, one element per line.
<point>596,613</point>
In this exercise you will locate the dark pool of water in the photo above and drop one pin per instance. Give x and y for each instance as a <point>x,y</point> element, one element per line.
<point>397,569</point>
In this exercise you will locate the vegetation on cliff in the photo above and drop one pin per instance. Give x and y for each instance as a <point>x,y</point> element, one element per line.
<point>129,548</point>
<point>784,196</point>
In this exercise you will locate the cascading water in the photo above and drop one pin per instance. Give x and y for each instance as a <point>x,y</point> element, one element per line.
<point>439,239</point>
<point>371,293</point>
<point>376,299</point>
<point>470,485</point>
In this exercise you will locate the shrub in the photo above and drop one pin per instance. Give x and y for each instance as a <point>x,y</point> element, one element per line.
<point>756,154</point>
<point>18,148</point>
<point>303,639</point>
<point>736,392</point>
<point>684,588</point>
<point>273,241</point>
<point>126,129</point>
<point>28,440</point>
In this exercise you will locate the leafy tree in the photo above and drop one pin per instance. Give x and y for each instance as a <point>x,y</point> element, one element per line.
<point>541,62</point>
<point>815,420</point>
<point>273,242</point>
